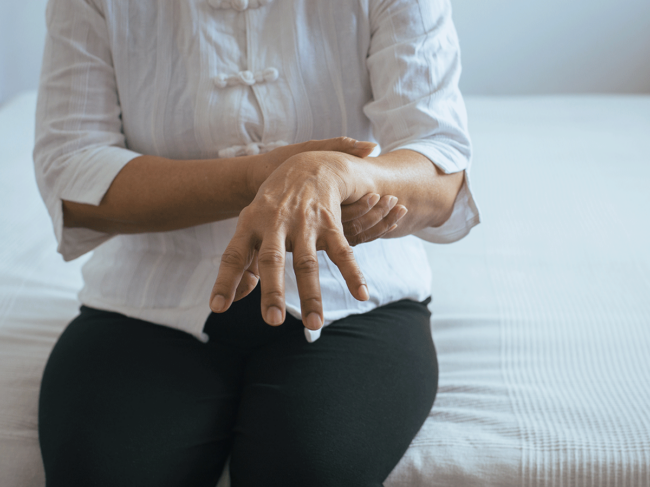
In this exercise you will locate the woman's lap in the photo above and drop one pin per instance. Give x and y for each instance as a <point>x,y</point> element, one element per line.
<point>125,402</point>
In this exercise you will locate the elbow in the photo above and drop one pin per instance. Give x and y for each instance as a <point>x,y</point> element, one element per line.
<point>449,188</point>
<point>80,215</point>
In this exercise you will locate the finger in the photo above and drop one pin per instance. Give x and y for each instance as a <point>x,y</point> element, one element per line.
<point>271,259</point>
<point>363,149</point>
<point>371,218</point>
<point>249,280</point>
<point>359,208</point>
<point>305,265</point>
<point>235,260</point>
<point>386,225</point>
<point>348,145</point>
<point>340,252</point>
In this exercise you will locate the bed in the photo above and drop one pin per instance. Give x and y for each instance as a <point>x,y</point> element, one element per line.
<point>541,316</point>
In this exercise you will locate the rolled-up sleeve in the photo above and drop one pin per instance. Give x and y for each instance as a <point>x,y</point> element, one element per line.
<point>414,66</point>
<point>80,146</point>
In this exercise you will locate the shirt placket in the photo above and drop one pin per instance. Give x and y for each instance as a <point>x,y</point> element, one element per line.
<point>251,78</point>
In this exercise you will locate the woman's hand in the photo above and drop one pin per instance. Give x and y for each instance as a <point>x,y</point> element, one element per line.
<point>370,218</point>
<point>263,165</point>
<point>297,209</point>
<point>367,219</point>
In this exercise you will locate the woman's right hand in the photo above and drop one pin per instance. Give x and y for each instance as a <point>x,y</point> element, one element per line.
<point>367,219</point>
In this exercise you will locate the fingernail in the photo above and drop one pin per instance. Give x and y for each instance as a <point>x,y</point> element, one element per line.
<point>359,144</point>
<point>392,228</point>
<point>218,303</point>
<point>402,212</point>
<point>392,201</point>
<point>363,292</point>
<point>313,321</point>
<point>373,200</point>
<point>274,316</point>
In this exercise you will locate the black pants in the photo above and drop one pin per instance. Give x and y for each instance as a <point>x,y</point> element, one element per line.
<point>126,403</point>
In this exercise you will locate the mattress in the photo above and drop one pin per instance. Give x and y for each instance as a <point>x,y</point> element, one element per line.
<point>541,316</point>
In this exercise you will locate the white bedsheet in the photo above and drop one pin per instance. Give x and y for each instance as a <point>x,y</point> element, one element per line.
<point>541,315</point>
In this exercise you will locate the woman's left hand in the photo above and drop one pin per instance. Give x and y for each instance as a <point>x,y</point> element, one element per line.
<point>297,209</point>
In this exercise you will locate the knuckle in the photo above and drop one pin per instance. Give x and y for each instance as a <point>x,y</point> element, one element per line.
<point>310,303</point>
<point>273,296</point>
<point>344,252</point>
<point>251,276</point>
<point>355,227</point>
<point>342,140</point>
<point>233,258</point>
<point>305,263</point>
<point>244,213</point>
<point>271,258</point>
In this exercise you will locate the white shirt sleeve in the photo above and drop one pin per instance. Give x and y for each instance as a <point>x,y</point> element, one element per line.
<point>79,146</point>
<point>414,65</point>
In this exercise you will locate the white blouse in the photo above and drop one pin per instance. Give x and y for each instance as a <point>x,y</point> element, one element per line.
<point>197,79</point>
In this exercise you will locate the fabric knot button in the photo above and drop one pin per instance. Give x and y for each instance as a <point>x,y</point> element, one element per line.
<point>228,153</point>
<point>221,81</point>
<point>247,78</point>
<point>252,149</point>
<point>269,75</point>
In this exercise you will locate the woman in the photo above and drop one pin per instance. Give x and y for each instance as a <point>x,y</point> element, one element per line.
<point>171,140</point>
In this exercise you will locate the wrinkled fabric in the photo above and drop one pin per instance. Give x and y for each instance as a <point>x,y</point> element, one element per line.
<point>121,79</point>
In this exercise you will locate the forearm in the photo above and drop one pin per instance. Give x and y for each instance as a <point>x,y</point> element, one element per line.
<point>154,194</point>
<point>427,192</point>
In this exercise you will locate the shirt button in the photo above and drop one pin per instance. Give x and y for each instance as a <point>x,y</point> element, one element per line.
<point>270,74</point>
<point>247,77</point>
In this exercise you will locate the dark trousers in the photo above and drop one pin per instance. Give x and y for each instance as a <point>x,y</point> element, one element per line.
<point>126,403</point>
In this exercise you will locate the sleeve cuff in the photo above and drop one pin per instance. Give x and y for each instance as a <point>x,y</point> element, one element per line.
<point>441,152</point>
<point>465,214</point>
<point>464,217</point>
<point>86,180</point>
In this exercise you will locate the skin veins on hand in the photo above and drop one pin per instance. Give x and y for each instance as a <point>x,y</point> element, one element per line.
<point>317,195</point>
<point>298,209</point>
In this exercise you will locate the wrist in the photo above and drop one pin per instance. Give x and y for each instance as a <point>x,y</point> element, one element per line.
<point>360,178</point>
<point>255,173</point>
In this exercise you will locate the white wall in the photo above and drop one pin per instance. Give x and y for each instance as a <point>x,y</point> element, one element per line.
<point>554,46</point>
<point>509,46</point>
<point>22,34</point>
